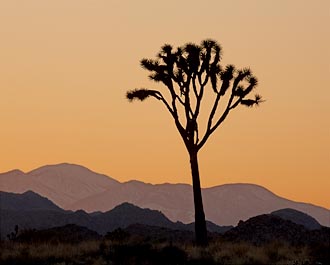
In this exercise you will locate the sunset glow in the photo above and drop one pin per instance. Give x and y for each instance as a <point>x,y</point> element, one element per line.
<point>66,66</point>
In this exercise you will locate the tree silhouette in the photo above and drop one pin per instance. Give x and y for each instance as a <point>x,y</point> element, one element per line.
<point>188,73</point>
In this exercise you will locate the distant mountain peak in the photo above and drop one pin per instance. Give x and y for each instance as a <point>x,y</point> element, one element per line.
<point>61,167</point>
<point>239,185</point>
<point>138,182</point>
<point>30,192</point>
<point>14,172</point>
<point>126,205</point>
<point>67,170</point>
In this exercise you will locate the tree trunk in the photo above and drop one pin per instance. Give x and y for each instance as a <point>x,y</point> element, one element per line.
<point>200,224</point>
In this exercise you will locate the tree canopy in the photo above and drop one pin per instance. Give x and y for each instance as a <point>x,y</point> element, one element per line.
<point>186,72</point>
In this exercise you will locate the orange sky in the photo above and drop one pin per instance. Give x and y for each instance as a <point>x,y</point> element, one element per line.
<point>65,67</point>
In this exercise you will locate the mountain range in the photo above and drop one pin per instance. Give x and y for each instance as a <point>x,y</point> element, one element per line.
<point>32,211</point>
<point>73,187</point>
<point>29,216</point>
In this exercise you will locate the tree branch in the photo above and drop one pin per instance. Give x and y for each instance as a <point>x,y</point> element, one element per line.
<point>174,114</point>
<point>194,85</point>
<point>210,129</point>
<point>199,98</point>
<point>188,109</point>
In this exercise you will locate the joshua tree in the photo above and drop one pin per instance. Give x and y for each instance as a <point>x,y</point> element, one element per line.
<point>188,73</point>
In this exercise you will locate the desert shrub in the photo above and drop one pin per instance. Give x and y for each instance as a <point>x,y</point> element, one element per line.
<point>272,252</point>
<point>118,235</point>
<point>199,255</point>
<point>131,254</point>
<point>16,253</point>
<point>137,251</point>
<point>320,253</point>
<point>172,255</point>
<point>13,235</point>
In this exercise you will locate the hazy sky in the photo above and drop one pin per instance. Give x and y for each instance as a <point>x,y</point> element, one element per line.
<point>65,67</point>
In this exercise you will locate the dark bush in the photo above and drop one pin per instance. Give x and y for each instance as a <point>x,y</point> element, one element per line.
<point>118,235</point>
<point>172,255</point>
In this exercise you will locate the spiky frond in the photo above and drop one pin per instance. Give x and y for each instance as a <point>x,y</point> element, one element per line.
<point>157,77</point>
<point>192,48</point>
<point>167,56</point>
<point>242,74</point>
<point>226,76</point>
<point>248,102</point>
<point>251,102</point>
<point>192,57</point>
<point>217,55</point>
<point>258,99</point>
<point>160,77</point>
<point>239,91</point>
<point>209,43</point>
<point>228,72</point>
<point>245,71</point>
<point>167,48</point>
<point>253,80</point>
<point>253,83</point>
<point>149,64</point>
<point>141,94</point>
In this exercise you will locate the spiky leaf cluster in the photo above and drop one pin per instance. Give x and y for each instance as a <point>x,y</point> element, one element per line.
<point>140,94</point>
<point>188,72</point>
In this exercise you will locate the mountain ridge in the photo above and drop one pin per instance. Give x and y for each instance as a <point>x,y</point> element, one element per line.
<point>16,209</point>
<point>74,187</point>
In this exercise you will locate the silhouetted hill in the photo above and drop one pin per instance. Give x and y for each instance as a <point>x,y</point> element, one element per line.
<point>74,187</point>
<point>267,228</point>
<point>70,233</point>
<point>29,200</point>
<point>298,217</point>
<point>126,214</point>
<point>44,218</point>
<point>41,219</point>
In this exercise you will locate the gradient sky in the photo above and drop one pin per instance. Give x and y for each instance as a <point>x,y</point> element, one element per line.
<point>65,66</point>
